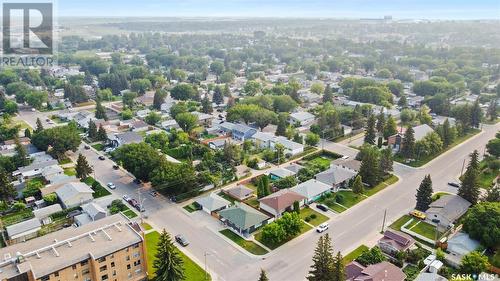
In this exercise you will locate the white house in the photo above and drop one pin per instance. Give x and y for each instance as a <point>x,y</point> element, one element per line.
<point>312,190</point>
<point>291,147</point>
<point>212,203</point>
<point>303,118</point>
<point>74,194</point>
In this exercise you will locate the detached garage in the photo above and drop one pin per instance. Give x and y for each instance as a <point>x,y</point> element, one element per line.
<point>212,203</point>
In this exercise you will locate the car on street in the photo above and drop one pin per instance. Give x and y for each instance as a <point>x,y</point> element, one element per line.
<point>418,214</point>
<point>322,227</point>
<point>111,185</point>
<point>153,193</point>
<point>181,240</point>
<point>133,202</point>
<point>137,181</point>
<point>454,184</point>
<point>322,207</point>
<point>86,146</point>
<point>115,167</point>
<point>140,208</point>
<point>345,157</point>
<point>102,158</point>
<point>126,198</point>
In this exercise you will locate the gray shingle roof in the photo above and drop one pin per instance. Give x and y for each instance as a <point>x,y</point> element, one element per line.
<point>71,189</point>
<point>311,188</point>
<point>213,202</point>
<point>335,175</point>
<point>243,216</point>
<point>22,227</point>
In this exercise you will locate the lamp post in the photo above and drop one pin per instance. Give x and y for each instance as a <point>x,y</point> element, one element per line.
<point>205,255</point>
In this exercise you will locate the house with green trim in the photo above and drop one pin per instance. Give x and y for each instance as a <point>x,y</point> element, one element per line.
<point>243,219</point>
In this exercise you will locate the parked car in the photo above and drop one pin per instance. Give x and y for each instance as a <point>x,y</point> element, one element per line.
<point>436,221</point>
<point>153,193</point>
<point>86,146</point>
<point>137,181</point>
<point>126,198</point>
<point>454,184</point>
<point>322,207</point>
<point>181,240</point>
<point>133,202</point>
<point>418,214</point>
<point>102,157</point>
<point>322,227</point>
<point>116,167</point>
<point>111,185</point>
<point>140,208</point>
<point>345,157</point>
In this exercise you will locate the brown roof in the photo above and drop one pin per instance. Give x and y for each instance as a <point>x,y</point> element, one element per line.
<point>282,199</point>
<point>401,241</point>
<point>384,271</point>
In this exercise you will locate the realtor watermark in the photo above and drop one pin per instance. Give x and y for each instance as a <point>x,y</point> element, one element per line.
<point>473,277</point>
<point>28,30</point>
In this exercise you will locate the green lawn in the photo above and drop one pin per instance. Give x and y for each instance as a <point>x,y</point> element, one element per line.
<point>372,191</point>
<point>98,146</point>
<point>355,254</point>
<point>304,228</point>
<point>251,186</point>
<point>252,201</point>
<point>320,161</point>
<point>192,271</point>
<point>486,177</point>
<point>309,213</point>
<point>130,214</point>
<point>400,222</point>
<point>190,208</point>
<point>17,217</point>
<point>99,190</point>
<point>227,197</point>
<point>69,172</point>
<point>146,226</point>
<point>426,159</point>
<point>438,195</point>
<point>426,230</point>
<point>336,208</point>
<point>349,198</point>
<point>250,246</point>
<point>411,272</point>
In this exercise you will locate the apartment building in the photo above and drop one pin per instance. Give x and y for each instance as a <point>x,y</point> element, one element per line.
<point>111,249</point>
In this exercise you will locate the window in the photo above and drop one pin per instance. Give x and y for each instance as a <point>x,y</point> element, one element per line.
<point>139,270</point>
<point>112,264</point>
<point>104,277</point>
<point>73,266</point>
<point>101,259</point>
<point>85,262</point>
<point>136,263</point>
<point>45,278</point>
<point>128,266</point>
<point>114,272</point>
<point>136,245</point>
<point>128,258</point>
<point>136,255</point>
<point>85,271</point>
<point>103,268</point>
<point>56,274</point>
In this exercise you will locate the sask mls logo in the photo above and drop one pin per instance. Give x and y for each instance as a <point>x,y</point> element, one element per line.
<point>28,34</point>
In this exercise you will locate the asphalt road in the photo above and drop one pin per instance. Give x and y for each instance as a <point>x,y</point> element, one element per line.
<point>358,225</point>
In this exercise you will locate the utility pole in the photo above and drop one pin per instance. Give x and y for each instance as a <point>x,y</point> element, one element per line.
<point>462,171</point>
<point>205,255</point>
<point>383,222</point>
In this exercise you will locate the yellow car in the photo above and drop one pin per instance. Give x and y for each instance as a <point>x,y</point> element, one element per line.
<point>418,215</point>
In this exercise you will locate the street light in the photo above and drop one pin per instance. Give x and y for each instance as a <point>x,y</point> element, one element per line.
<point>205,255</point>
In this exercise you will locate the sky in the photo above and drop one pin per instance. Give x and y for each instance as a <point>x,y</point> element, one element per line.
<point>401,9</point>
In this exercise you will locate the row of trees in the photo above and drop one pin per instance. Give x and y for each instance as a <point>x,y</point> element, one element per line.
<point>375,164</point>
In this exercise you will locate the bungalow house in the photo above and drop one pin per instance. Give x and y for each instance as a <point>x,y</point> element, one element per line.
<point>139,126</point>
<point>281,173</point>
<point>143,113</point>
<point>169,124</point>
<point>460,245</point>
<point>212,203</point>
<point>280,202</point>
<point>124,138</point>
<point>243,219</point>
<point>294,167</point>
<point>204,119</point>
<point>311,190</point>
<point>239,192</point>
<point>34,170</point>
<point>291,147</point>
<point>23,231</point>
<point>238,131</point>
<point>43,214</point>
<point>446,210</point>
<point>74,194</point>
<point>303,118</point>
<point>336,177</point>
<point>263,140</point>
<point>396,141</point>
<point>90,212</point>
<point>394,242</point>
<point>351,164</point>
<point>218,144</point>
<point>384,271</point>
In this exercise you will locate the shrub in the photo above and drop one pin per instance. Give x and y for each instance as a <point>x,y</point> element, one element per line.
<point>307,219</point>
<point>339,198</point>
<point>313,216</point>
<point>18,206</point>
<point>50,199</point>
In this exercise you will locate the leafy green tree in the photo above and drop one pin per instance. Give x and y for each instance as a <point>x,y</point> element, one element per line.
<point>284,103</point>
<point>159,99</point>
<point>327,94</point>
<point>357,185</point>
<point>263,276</point>
<point>381,122</point>
<point>100,112</point>
<point>127,114</point>
<point>168,263</point>
<point>83,169</point>
<point>60,139</point>
<point>476,114</point>
<point>206,105</point>
<point>407,116</point>
<point>32,188</point>
<point>482,223</point>
<point>152,118</point>
<point>390,127</point>
<point>474,263</point>
<point>217,68</point>
<point>408,143</point>
<point>7,191</point>
<point>370,170</point>
<point>322,268</point>
<point>174,178</point>
<point>273,233</point>
<point>312,139</point>
<point>187,121</point>
<point>291,223</point>
<point>373,256</point>
<point>21,158</point>
<point>39,126</point>
<point>50,199</point>
<point>140,86</point>
<point>403,102</point>
<point>492,110</point>
<point>282,124</point>
<point>129,99</point>
<point>370,133</point>
<point>424,115</point>
<point>424,194</point>
<point>493,147</point>
<point>218,97</point>
<point>386,162</point>
<point>27,133</point>
<point>317,88</point>
<point>139,158</point>
<point>252,88</point>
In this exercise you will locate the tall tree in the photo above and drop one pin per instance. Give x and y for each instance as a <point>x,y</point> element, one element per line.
<point>390,127</point>
<point>168,264</point>
<point>370,133</point>
<point>7,189</point>
<point>469,189</point>
<point>159,99</point>
<point>476,114</point>
<point>21,158</point>
<point>381,122</point>
<point>424,194</point>
<point>39,126</point>
<point>83,169</point>
<point>338,268</point>
<point>101,134</point>
<point>492,110</point>
<point>408,143</point>
<point>323,261</point>
<point>357,185</point>
<point>263,276</point>
<point>386,161</point>
<point>474,161</point>
<point>92,131</point>
<point>100,112</point>
<point>218,96</point>
<point>27,132</point>
<point>282,124</point>
<point>370,169</point>
<point>206,105</point>
<point>448,135</point>
<point>328,94</point>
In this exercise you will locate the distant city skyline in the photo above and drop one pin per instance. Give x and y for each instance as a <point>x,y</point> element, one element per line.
<point>411,9</point>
